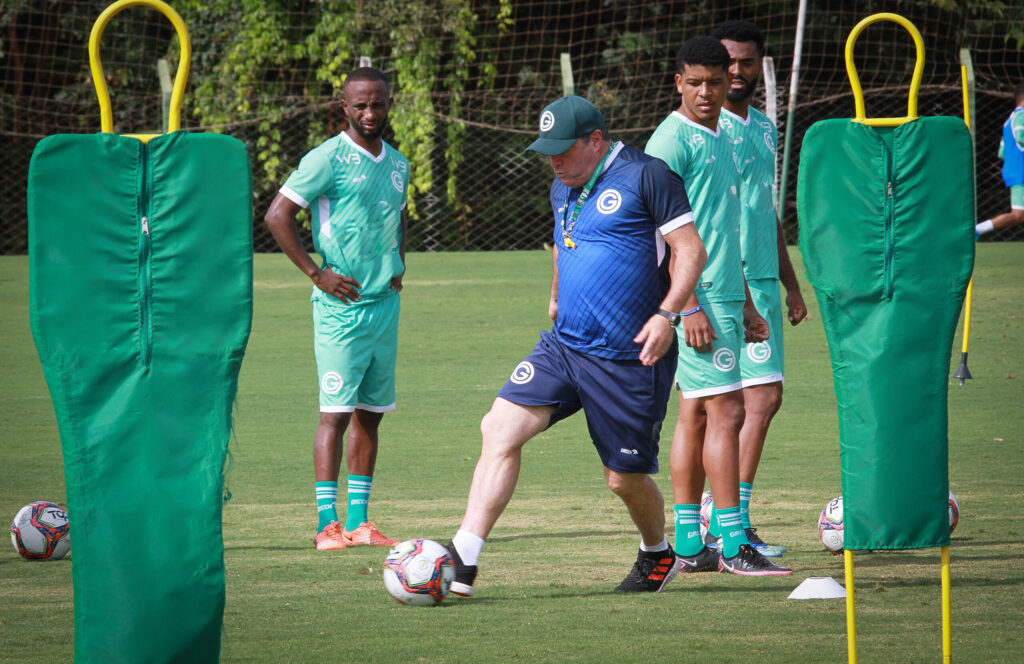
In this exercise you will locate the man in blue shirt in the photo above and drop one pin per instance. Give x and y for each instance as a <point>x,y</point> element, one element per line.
<point>618,214</point>
<point>1011,151</point>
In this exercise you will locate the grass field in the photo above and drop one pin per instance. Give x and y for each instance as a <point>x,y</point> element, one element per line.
<point>545,589</point>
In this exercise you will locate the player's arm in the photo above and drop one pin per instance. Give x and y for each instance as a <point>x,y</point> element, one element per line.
<point>553,302</point>
<point>685,265</point>
<point>280,219</point>
<point>664,196</point>
<point>797,309</point>
<point>396,281</point>
<point>754,324</point>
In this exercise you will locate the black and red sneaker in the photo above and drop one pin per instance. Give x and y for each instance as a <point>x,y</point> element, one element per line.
<point>651,572</point>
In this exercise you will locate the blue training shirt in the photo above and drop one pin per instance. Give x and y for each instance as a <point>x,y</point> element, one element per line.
<point>615,278</point>
<point>1013,156</point>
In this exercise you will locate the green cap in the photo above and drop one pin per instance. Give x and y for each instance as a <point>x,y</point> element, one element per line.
<point>563,121</point>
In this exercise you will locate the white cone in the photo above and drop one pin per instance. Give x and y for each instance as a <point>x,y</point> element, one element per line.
<point>818,587</point>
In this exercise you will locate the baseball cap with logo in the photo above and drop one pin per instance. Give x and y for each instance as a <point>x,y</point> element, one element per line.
<point>563,121</point>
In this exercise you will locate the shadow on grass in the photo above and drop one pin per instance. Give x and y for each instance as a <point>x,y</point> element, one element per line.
<point>563,535</point>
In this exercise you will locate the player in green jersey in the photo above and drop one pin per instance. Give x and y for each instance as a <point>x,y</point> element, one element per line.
<point>716,319</point>
<point>765,257</point>
<point>355,185</point>
<point>1011,151</point>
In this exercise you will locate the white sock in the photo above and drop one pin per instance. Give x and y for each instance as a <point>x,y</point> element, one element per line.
<point>649,549</point>
<point>469,546</point>
<point>984,227</point>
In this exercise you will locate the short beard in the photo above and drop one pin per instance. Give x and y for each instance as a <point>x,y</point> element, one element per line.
<point>365,135</point>
<point>742,95</point>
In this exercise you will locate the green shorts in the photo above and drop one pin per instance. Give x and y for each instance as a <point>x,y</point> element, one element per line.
<point>707,374</point>
<point>762,362</point>
<point>355,348</point>
<point>1017,197</point>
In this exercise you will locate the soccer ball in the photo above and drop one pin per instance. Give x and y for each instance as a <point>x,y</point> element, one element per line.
<point>706,502</point>
<point>418,572</point>
<point>954,512</point>
<point>40,531</point>
<point>830,525</point>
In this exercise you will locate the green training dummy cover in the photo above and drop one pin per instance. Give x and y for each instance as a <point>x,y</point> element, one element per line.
<point>140,260</point>
<point>887,236</point>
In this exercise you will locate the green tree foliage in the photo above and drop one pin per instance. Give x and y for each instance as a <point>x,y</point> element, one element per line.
<point>253,59</point>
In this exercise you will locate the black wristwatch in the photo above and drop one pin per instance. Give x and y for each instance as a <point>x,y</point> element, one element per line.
<point>672,318</point>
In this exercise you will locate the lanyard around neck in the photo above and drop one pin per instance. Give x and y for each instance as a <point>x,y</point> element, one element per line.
<point>574,216</point>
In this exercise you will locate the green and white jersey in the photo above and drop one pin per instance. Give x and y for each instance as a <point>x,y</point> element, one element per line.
<point>754,139</point>
<point>356,201</point>
<point>708,165</point>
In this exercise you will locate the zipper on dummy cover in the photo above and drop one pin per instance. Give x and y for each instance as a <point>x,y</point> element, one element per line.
<point>889,213</point>
<point>145,270</point>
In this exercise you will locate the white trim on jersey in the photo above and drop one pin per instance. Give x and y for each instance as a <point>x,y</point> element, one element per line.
<point>323,206</point>
<point>616,149</point>
<point>294,196</point>
<point>379,158</point>
<point>743,121</point>
<point>762,380</point>
<point>688,121</point>
<point>678,222</point>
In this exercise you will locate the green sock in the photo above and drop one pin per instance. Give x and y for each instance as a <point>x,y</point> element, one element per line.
<point>688,542</point>
<point>358,500</point>
<point>746,488</point>
<point>731,524</point>
<point>326,503</point>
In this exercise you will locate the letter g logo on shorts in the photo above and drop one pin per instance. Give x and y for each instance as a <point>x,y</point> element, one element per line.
<point>523,373</point>
<point>760,352</point>
<point>331,383</point>
<point>724,359</point>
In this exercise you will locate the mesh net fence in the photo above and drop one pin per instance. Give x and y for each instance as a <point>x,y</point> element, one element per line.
<point>469,79</point>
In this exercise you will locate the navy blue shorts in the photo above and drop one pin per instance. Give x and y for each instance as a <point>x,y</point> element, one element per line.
<point>624,401</point>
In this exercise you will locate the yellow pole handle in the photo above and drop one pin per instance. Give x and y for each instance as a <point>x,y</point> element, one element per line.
<point>915,81</point>
<point>96,65</point>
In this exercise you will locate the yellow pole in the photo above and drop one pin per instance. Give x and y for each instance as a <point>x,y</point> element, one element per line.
<point>851,616</point>
<point>947,610</point>
<point>96,65</point>
<point>962,371</point>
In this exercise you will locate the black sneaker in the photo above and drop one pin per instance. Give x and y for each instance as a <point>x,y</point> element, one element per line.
<point>705,560</point>
<point>651,572</point>
<point>464,574</point>
<point>748,562</point>
<point>765,549</point>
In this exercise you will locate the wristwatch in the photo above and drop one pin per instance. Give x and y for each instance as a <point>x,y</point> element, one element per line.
<point>672,318</point>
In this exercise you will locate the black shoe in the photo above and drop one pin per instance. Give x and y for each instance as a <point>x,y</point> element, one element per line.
<point>651,572</point>
<point>464,574</point>
<point>765,549</point>
<point>748,562</point>
<point>705,560</point>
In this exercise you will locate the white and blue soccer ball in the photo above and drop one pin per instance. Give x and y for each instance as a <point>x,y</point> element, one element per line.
<point>41,531</point>
<point>830,525</point>
<point>706,501</point>
<point>418,572</point>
